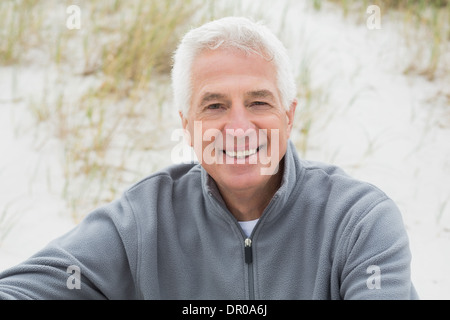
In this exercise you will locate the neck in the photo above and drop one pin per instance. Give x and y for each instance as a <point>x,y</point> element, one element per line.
<point>249,204</point>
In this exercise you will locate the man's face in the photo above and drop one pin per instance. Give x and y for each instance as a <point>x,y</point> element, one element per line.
<point>237,124</point>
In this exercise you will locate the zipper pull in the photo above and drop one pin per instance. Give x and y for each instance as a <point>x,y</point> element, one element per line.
<point>248,250</point>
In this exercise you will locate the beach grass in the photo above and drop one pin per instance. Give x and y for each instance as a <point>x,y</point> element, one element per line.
<point>118,61</point>
<point>424,21</point>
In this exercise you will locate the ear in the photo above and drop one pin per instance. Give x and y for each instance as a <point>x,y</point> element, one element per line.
<point>290,116</point>
<point>184,120</point>
<point>184,124</point>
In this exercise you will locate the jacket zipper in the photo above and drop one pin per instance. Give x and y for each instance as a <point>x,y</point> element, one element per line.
<point>249,262</point>
<point>248,251</point>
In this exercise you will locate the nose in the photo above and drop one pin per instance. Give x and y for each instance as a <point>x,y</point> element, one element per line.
<point>240,130</point>
<point>238,119</point>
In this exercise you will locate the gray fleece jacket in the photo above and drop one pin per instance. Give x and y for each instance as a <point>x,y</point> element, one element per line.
<point>324,235</point>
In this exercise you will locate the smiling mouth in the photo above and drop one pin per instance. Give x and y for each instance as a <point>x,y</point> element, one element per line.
<point>242,154</point>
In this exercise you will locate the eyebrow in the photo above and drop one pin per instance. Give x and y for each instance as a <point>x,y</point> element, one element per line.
<point>211,96</point>
<point>260,94</point>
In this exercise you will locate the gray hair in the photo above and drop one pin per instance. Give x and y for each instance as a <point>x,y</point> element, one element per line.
<point>230,32</point>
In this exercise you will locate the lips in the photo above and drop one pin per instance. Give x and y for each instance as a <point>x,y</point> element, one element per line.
<point>241,154</point>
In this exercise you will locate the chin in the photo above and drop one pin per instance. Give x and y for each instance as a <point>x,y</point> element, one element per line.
<point>238,177</point>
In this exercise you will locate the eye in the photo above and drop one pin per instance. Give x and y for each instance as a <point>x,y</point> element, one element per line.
<point>260,105</point>
<point>214,106</point>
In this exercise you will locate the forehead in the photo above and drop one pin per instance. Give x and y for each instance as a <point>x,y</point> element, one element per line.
<point>222,70</point>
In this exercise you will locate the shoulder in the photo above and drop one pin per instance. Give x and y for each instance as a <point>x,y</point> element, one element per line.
<point>353,208</point>
<point>334,179</point>
<point>169,176</point>
<point>344,198</point>
<point>155,195</point>
<point>328,170</point>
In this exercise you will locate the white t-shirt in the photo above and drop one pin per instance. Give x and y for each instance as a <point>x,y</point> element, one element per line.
<point>248,226</point>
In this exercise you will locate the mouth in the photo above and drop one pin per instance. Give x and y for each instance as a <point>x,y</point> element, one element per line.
<point>241,154</point>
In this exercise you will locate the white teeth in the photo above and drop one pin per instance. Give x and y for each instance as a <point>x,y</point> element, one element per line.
<point>241,154</point>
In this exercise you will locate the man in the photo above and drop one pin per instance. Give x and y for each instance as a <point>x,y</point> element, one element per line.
<point>250,221</point>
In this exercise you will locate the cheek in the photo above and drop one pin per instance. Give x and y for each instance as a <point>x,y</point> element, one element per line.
<point>202,138</point>
<point>278,125</point>
<point>278,135</point>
